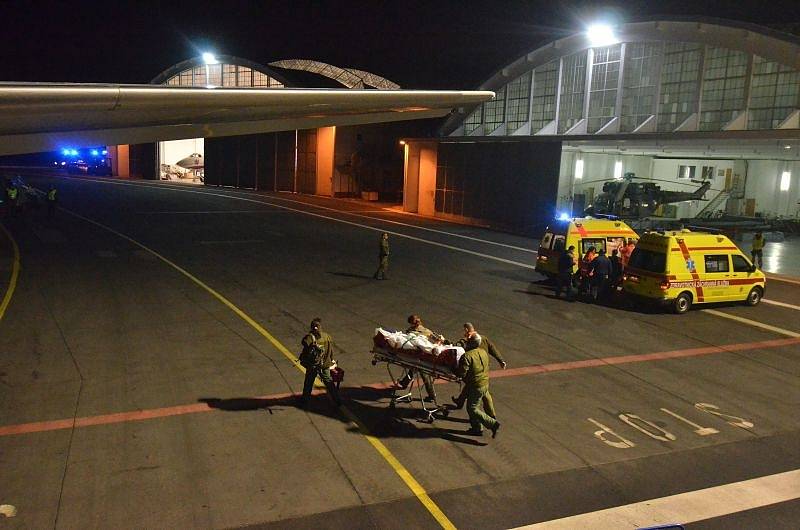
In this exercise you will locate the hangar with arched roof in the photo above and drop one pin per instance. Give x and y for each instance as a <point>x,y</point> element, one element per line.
<point>668,101</point>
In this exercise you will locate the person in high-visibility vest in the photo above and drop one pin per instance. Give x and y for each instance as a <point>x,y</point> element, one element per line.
<point>12,193</point>
<point>757,249</point>
<point>52,200</point>
<point>625,253</point>
<point>584,272</point>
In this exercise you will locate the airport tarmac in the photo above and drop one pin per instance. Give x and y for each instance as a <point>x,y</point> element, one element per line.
<point>147,380</point>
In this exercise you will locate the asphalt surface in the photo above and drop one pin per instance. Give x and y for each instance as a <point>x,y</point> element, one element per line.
<point>132,396</point>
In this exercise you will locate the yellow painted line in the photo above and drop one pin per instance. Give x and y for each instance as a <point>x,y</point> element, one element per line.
<point>780,304</point>
<point>415,487</point>
<point>404,474</point>
<point>753,323</point>
<point>12,283</point>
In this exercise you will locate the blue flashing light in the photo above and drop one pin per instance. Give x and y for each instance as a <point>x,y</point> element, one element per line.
<point>105,152</point>
<point>65,152</point>
<point>563,216</point>
<point>95,152</point>
<point>73,152</point>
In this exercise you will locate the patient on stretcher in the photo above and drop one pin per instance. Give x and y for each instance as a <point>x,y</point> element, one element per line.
<point>416,345</point>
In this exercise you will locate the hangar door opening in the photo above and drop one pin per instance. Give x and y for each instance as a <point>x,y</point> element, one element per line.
<point>182,160</point>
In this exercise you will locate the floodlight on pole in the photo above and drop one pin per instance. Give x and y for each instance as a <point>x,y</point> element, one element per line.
<point>601,35</point>
<point>209,58</point>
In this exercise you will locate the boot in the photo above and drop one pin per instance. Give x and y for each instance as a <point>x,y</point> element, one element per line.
<point>404,381</point>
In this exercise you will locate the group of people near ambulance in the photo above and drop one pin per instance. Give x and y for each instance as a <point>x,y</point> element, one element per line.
<point>598,275</point>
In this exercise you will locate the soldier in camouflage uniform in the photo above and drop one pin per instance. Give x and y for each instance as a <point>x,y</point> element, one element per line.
<point>317,359</point>
<point>474,370</point>
<point>383,258</point>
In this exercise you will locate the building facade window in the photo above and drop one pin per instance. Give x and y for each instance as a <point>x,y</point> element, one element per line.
<point>545,87</point>
<point>518,95</point>
<point>774,95</point>
<point>680,76</point>
<point>228,75</point>
<point>473,121</point>
<point>573,91</point>
<point>494,111</point>
<point>604,86</point>
<point>214,74</point>
<point>639,83</point>
<point>724,82</point>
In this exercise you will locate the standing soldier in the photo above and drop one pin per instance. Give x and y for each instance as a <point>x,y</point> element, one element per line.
<point>474,370</point>
<point>317,359</point>
<point>566,263</point>
<point>489,347</point>
<point>52,200</point>
<point>757,250</point>
<point>383,258</point>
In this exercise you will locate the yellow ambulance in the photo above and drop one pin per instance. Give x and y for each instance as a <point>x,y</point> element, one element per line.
<point>681,268</point>
<point>581,233</point>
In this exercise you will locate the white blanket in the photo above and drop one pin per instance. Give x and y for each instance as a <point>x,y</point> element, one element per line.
<point>413,341</point>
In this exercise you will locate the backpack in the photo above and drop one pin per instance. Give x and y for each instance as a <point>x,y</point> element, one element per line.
<point>311,356</point>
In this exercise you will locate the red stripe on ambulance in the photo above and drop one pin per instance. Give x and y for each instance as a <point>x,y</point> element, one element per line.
<point>695,276</point>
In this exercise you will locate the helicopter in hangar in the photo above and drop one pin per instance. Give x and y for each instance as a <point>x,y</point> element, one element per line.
<point>627,199</point>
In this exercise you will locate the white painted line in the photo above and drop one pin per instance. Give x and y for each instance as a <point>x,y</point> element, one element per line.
<point>753,323</point>
<point>232,242</point>
<point>416,227</point>
<point>687,507</point>
<point>781,304</point>
<point>773,277</point>
<point>196,212</point>
<point>327,217</point>
<point>345,212</point>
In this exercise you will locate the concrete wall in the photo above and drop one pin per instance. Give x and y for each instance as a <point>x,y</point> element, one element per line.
<point>419,181</point>
<point>763,185</point>
<point>507,185</point>
<point>326,141</point>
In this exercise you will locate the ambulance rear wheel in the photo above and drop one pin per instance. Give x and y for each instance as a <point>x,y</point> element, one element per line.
<point>754,296</point>
<point>682,303</point>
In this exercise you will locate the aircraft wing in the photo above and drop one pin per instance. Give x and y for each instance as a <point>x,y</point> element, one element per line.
<point>45,117</point>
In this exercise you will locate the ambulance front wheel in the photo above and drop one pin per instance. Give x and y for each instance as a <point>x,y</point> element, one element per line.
<point>682,303</point>
<point>754,296</point>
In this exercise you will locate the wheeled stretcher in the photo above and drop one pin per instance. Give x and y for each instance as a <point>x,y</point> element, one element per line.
<point>440,366</point>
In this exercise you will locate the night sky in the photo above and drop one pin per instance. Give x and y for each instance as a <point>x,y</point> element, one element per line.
<point>435,44</point>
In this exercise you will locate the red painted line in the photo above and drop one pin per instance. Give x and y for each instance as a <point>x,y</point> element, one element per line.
<point>640,358</point>
<point>179,410</point>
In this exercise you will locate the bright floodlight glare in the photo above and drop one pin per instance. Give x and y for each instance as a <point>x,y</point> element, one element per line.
<point>786,179</point>
<point>618,169</point>
<point>579,168</point>
<point>209,58</point>
<point>601,35</point>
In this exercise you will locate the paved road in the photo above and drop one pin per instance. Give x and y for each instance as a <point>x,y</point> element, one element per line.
<point>146,380</point>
